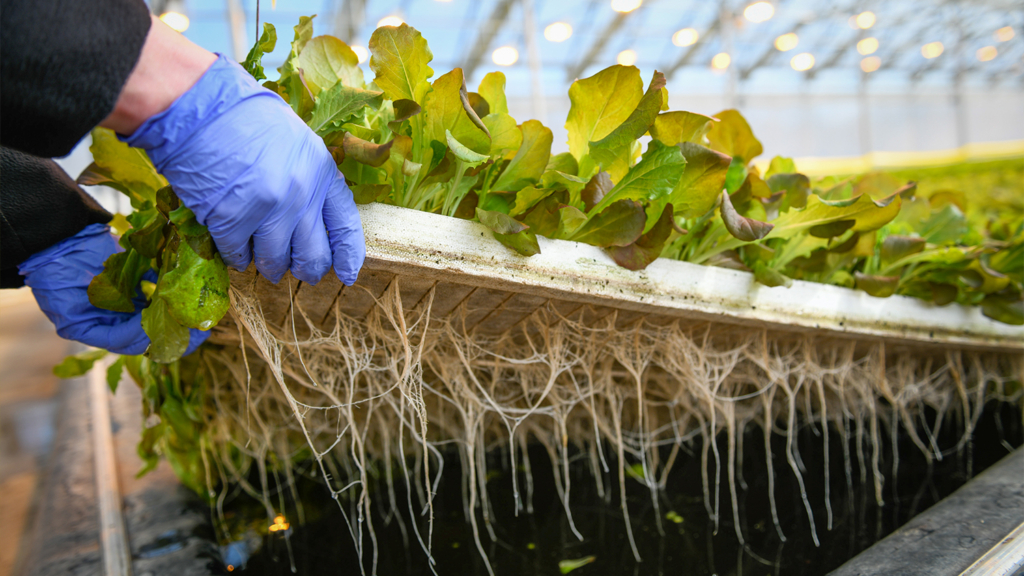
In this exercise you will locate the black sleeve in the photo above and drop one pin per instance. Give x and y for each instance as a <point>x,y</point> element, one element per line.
<point>62,66</point>
<point>39,206</point>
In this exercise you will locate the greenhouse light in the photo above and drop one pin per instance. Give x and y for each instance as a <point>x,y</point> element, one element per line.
<point>626,6</point>
<point>786,42</point>
<point>505,56</point>
<point>176,20</point>
<point>802,62</point>
<point>390,21</point>
<point>932,50</point>
<point>685,37</point>
<point>759,12</point>
<point>870,64</point>
<point>721,61</point>
<point>987,53</point>
<point>557,32</point>
<point>865,20</point>
<point>1005,33</point>
<point>867,46</point>
<point>626,57</point>
<point>361,53</point>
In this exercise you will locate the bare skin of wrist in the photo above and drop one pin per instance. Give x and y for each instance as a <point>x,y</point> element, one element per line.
<point>169,65</point>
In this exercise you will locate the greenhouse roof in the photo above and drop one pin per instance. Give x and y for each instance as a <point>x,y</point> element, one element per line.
<point>840,42</point>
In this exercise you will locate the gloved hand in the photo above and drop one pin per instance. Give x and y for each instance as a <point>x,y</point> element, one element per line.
<point>59,277</point>
<point>251,170</point>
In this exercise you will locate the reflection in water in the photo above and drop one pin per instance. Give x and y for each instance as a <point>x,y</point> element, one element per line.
<point>677,533</point>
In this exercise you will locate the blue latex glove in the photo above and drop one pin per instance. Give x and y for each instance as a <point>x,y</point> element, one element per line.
<point>59,277</point>
<point>251,170</point>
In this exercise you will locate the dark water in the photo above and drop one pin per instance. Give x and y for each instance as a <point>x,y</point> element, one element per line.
<point>685,543</point>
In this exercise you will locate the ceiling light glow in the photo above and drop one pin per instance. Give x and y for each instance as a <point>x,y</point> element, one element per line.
<point>721,61</point>
<point>626,57</point>
<point>557,32</point>
<point>176,20</point>
<point>685,37</point>
<point>759,12</point>
<point>390,21</point>
<point>361,53</point>
<point>932,50</point>
<point>625,6</point>
<point>786,42</point>
<point>802,62</point>
<point>505,56</point>
<point>870,64</point>
<point>1005,33</point>
<point>867,46</point>
<point>987,53</point>
<point>865,20</point>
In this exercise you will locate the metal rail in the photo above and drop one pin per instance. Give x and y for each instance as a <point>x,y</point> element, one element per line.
<point>113,537</point>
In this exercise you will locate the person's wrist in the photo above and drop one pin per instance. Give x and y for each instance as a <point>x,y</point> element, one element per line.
<point>168,66</point>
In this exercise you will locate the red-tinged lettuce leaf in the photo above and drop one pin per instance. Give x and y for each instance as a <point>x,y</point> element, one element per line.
<point>599,104</point>
<point>732,136</point>
<point>866,213</point>
<point>771,277</point>
<point>613,152</point>
<point>405,109</point>
<point>544,218</point>
<point>620,224</point>
<point>253,63</point>
<point>115,287</point>
<point>326,61</point>
<point>648,247</point>
<point>340,104</point>
<point>595,190</point>
<point>192,232</point>
<point>831,229</point>
<point>795,186</point>
<point>703,179</point>
<point>896,248</point>
<point>527,166</point>
<point>369,153</point>
<point>510,232</point>
<point>93,175</point>
<point>672,128</point>
<point>743,228</point>
<point>446,109</point>
<point>1002,309</point>
<point>168,338</point>
<point>147,234</point>
<point>943,294</point>
<point>471,110</point>
<point>500,223</point>
<point>400,58</point>
<point>846,245</point>
<point>651,180</point>
<point>479,104</point>
<point>878,286</point>
<point>369,193</point>
<point>727,259</point>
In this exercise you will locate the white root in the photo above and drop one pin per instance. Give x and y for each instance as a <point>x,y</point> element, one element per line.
<point>401,384</point>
